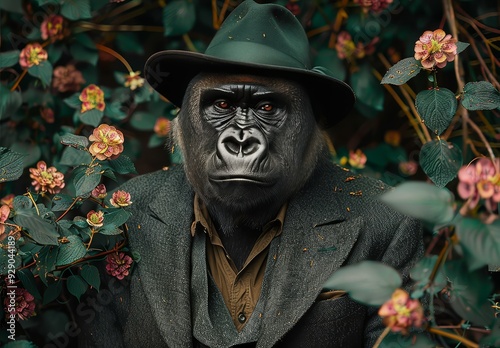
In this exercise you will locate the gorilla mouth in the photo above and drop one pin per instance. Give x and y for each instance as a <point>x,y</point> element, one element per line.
<point>241,179</point>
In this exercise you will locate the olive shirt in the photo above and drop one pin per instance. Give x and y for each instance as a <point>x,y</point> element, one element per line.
<point>240,289</point>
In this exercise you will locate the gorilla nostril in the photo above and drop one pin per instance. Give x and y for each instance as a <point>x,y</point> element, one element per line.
<point>250,147</point>
<point>232,146</point>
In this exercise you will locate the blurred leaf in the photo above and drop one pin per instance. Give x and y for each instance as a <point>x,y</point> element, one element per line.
<point>491,340</point>
<point>76,286</point>
<point>85,181</point>
<point>178,17</point>
<point>43,71</point>
<point>422,201</point>
<point>143,94</point>
<point>52,292</point>
<point>367,88</point>
<point>130,42</point>
<point>31,152</point>
<point>20,344</point>
<point>461,46</point>
<point>83,49</point>
<point>70,252</point>
<point>74,10</point>
<point>122,165</point>
<point>55,52</point>
<point>144,121</point>
<point>91,275</point>
<point>369,282</point>
<point>176,155</point>
<point>120,77</point>
<point>73,101</point>
<point>114,111</point>
<point>9,58</point>
<point>75,140</point>
<point>397,340</point>
<point>155,140</point>
<point>91,117</point>
<point>423,270</point>
<point>9,102</point>
<point>39,229</point>
<point>481,240</point>
<point>46,262</point>
<point>12,6</point>
<point>29,282</point>
<point>469,292</point>
<point>441,161</point>
<point>437,108</point>
<point>402,71</point>
<point>480,95</point>
<point>11,165</point>
<point>329,59</point>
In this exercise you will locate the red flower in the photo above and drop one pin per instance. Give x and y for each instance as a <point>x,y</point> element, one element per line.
<point>53,28</point>
<point>118,265</point>
<point>23,302</point>
<point>92,97</point>
<point>32,54</point>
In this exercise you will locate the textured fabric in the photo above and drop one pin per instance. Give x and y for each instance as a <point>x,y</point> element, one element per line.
<point>239,289</point>
<point>334,220</point>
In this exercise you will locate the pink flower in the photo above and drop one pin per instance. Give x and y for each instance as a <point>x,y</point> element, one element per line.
<point>99,192</point>
<point>435,48</point>
<point>480,180</point>
<point>133,80</point>
<point>118,265</point>
<point>8,200</point>
<point>32,54</point>
<point>347,49</point>
<point>47,114</point>
<point>120,199</point>
<point>373,5</point>
<point>400,312</point>
<point>162,126</point>
<point>92,97</point>
<point>357,159</point>
<point>95,218</point>
<point>408,168</point>
<point>46,178</point>
<point>53,28</point>
<point>107,142</point>
<point>23,302</point>
<point>4,215</point>
<point>67,79</point>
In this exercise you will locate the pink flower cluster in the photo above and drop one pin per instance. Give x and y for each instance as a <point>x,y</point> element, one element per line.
<point>31,55</point>
<point>373,5</point>
<point>118,265</point>
<point>347,49</point>
<point>400,312</point>
<point>4,215</point>
<point>435,48</point>
<point>120,199</point>
<point>67,79</point>
<point>107,142</point>
<point>46,178</point>
<point>24,304</point>
<point>53,28</point>
<point>480,180</point>
<point>92,97</point>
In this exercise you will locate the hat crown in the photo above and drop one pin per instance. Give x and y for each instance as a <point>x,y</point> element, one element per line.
<point>262,34</point>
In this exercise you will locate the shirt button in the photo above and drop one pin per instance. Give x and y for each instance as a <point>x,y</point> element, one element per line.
<point>242,318</point>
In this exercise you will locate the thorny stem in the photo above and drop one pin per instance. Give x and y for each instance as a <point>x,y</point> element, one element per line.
<point>453,336</point>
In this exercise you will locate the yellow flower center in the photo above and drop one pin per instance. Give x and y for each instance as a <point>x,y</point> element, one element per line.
<point>402,310</point>
<point>46,175</point>
<point>435,46</point>
<point>34,56</point>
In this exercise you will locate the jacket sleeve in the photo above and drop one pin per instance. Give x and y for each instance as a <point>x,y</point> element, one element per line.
<point>404,251</point>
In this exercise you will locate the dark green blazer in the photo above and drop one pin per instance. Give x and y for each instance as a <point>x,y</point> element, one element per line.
<point>333,221</point>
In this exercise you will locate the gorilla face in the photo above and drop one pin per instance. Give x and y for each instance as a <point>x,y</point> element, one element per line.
<point>249,142</point>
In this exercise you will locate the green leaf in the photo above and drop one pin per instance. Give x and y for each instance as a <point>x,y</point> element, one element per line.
<point>12,6</point>
<point>74,157</point>
<point>61,202</point>
<point>120,77</point>
<point>29,282</point>
<point>76,9</point>
<point>155,141</point>
<point>55,51</point>
<point>369,282</point>
<point>329,59</point>
<point>110,230</point>
<point>114,111</point>
<point>422,201</point>
<point>437,108</point>
<point>91,275</point>
<point>22,203</point>
<point>20,344</point>
<point>9,58</point>
<point>91,117</point>
<point>144,121</point>
<point>6,261</point>
<point>117,217</point>
<point>11,165</point>
<point>76,286</point>
<point>491,340</point>
<point>83,53</point>
<point>52,292</point>
<point>367,88</point>
<point>39,229</point>
<point>122,165</point>
<point>402,71</point>
<point>43,71</point>
<point>73,101</point>
<point>482,241</point>
<point>441,161</point>
<point>461,46</point>
<point>30,150</point>
<point>178,17</point>
<point>176,155</point>
<point>469,293</point>
<point>85,182</point>
<point>129,42</point>
<point>46,262</point>
<point>480,95</point>
<point>397,340</point>
<point>423,270</point>
<point>9,102</point>
<point>70,252</point>
<point>74,140</point>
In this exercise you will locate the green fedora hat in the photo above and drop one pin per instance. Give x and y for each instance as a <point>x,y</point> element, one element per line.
<point>261,39</point>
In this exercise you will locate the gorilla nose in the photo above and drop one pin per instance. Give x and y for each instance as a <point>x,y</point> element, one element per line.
<point>248,143</point>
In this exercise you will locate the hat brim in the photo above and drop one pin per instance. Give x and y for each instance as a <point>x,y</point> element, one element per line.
<point>169,73</point>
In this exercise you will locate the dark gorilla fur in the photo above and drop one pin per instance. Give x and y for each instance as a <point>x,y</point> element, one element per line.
<point>240,210</point>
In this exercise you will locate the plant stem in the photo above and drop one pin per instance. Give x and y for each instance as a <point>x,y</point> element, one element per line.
<point>116,55</point>
<point>453,336</point>
<point>381,337</point>
<point>18,81</point>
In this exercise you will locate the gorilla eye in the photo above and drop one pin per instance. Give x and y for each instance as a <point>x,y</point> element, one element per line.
<point>222,104</point>
<point>267,107</point>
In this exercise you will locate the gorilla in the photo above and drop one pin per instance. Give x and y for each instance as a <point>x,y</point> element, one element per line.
<point>237,242</point>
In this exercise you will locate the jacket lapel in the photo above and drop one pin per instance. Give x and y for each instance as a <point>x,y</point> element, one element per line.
<point>311,248</point>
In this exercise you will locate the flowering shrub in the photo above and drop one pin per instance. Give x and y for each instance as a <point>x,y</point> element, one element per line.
<point>71,91</point>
